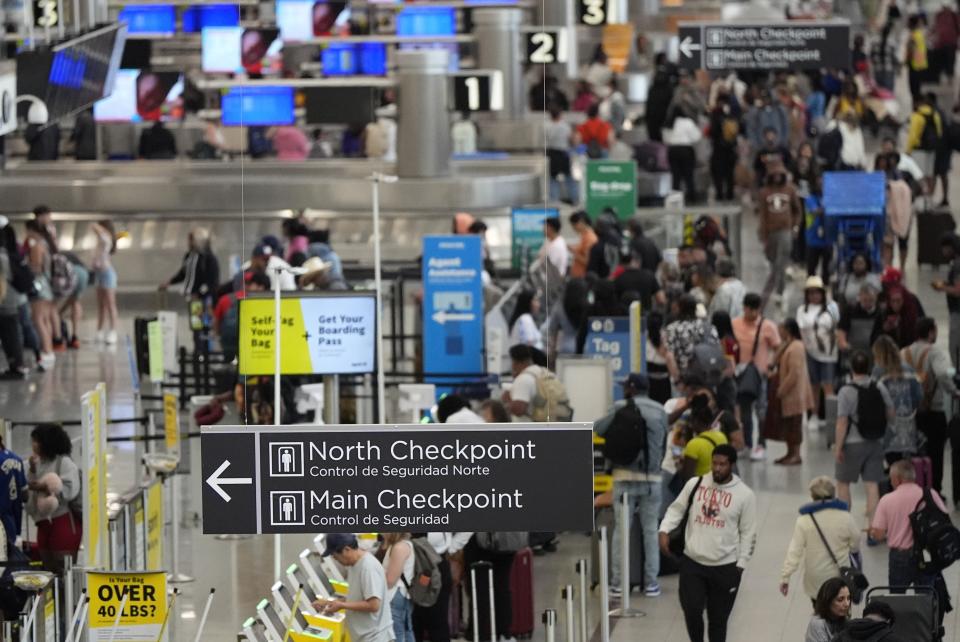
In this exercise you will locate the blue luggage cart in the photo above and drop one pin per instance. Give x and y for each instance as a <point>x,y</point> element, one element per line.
<point>854,204</point>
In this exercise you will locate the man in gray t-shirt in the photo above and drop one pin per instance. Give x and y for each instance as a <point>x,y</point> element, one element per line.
<point>859,457</point>
<point>367,610</point>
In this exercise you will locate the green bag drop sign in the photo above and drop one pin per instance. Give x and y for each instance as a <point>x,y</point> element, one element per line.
<point>611,184</point>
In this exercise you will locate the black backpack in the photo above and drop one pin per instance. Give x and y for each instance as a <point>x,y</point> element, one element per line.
<point>929,139</point>
<point>626,438</point>
<point>871,420</point>
<point>936,541</point>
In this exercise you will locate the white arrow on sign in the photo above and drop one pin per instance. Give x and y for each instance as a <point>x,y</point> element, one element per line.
<point>442,316</point>
<point>215,480</point>
<point>687,47</point>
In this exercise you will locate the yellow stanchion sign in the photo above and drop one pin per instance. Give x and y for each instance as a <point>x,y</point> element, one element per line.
<point>94,420</point>
<point>143,613</point>
<point>155,526</point>
<point>171,422</point>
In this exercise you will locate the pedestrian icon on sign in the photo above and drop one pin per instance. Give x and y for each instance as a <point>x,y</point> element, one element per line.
<point>286,459</point>
<point>286,508</point>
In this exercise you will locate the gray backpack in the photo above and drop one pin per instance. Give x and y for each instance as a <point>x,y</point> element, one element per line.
<point>505,542</point>
<point>425,587</point>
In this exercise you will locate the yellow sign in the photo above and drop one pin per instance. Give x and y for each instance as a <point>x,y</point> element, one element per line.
<point>144,610</point>
<point>49,616</point>
<point>94,406</point>
<point>319,335</point>
<point>155,526</point>
<point>171,421</point>
<point>617,42</point>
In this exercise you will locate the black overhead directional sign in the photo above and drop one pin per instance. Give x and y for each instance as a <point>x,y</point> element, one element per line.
<point>784,45</point>
<point>336,479</point>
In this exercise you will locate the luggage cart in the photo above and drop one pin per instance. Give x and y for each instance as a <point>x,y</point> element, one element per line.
<point>854,205</point>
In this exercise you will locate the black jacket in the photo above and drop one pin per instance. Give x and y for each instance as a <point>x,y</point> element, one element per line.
<point>44,142</point>
<point>157,143</point>
<point>199,273</point>
<point>867,630</point>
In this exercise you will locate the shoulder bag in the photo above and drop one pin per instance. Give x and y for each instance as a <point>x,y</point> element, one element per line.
<point>678,536</point>
<point>750,381</point>
<point>854,578</point>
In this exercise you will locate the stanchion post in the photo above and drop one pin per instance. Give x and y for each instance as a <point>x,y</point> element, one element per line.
<point>567,594</point>
<point>68,589</point>
<point>550,624</point>
<point>473,605</point>
<point>493,607</point>
<point>624,527</point>
<point>176,577</point>
<point>604,588</point>
<point>582,572</point>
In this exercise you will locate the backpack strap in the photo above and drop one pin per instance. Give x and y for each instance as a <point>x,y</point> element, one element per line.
<point>703,435</point>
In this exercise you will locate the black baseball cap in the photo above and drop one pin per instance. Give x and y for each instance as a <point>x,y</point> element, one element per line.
<point>336,542</point>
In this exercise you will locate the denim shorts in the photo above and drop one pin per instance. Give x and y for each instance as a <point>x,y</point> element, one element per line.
<point>821,372</point>
<point>107,278</point>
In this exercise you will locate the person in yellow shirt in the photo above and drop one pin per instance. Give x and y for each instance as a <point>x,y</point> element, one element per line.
<point>917,60</point>
<point>924,137</point>
<point>698,453</point>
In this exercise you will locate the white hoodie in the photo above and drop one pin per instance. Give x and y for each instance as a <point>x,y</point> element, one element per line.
<point>722,528</point>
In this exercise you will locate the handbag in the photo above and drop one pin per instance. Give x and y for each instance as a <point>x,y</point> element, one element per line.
<point>750,381</point>
<point>854,578</point>
<point>678,536</point>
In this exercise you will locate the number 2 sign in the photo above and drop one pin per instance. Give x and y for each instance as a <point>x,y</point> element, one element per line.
<point>546,46</point>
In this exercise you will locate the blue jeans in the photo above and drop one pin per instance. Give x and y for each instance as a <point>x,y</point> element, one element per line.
<point>570,186</point>
<point>401,608</point>
<point>643,497</point>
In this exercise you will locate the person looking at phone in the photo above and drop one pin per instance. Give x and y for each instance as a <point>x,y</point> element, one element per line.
<point>366,606</point>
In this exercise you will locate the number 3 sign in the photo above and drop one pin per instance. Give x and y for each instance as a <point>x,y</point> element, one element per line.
<point>594,13</point>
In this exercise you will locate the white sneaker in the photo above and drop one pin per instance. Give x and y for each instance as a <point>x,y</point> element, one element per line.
<point>759,453</point>
<point>47,360</point>
<point>813,423</point>
<point>112,338</point>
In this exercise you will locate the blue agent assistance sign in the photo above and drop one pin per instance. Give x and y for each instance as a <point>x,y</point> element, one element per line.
<point>452,305</point>
<point>610,337</point>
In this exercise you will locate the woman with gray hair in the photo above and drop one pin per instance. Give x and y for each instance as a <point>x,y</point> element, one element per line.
<point>824,522</point>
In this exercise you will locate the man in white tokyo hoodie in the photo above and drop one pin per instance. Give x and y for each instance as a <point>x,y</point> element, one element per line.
<point>720,537</point>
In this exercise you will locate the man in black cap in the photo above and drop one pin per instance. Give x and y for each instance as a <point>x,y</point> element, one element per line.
<point>367,611</point>
<point>636,472</point>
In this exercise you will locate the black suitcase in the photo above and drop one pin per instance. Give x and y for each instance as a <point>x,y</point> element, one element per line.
<point>931,225</point>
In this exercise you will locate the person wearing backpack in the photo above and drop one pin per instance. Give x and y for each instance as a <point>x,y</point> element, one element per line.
<point>433,622</point>
<point>932,366</point>
<point>226,314</point>
<point>58,515</point>
<point>864,408</point>
<point>892,522</point>
<point>536,393</point>
<point>684,334</point>
<point>635,434</point>
<point>924,138</point>
<point>367,612</point>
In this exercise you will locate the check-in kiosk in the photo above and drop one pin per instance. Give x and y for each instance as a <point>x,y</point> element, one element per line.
<point>335,623</point>
<point>332,570</point>
<point>253,631</point>
<point>271,621</point>
<point>313,567</point>
<point>297,578</point>
<point>283,603</point>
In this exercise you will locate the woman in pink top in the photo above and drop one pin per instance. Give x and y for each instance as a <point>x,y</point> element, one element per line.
<point>289,143</point>
<point>899,217</point>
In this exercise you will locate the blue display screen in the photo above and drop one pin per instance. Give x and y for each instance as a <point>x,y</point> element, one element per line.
<point>373,58</point>
<point>150,18</point>
<point>339,60</point>
<point>426,21</point>
<point>253,106</point>
<point>67,70</point>
<point>213,15</point>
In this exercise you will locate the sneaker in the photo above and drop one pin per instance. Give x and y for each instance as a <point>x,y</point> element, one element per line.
<point>112,338</point>
<point>12,375</point>
<point>74,344</point>
<point>47,361</point>
<point>759,453</point>
<point>652,590</point>
<point>615,591</point>
<point>59,345</point>
<point>813,423</point>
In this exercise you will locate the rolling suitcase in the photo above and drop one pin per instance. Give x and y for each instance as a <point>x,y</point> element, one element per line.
<point>521,594</point>
<point>917,611</point>
<point>651,156</point>
<point>931,225</point>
